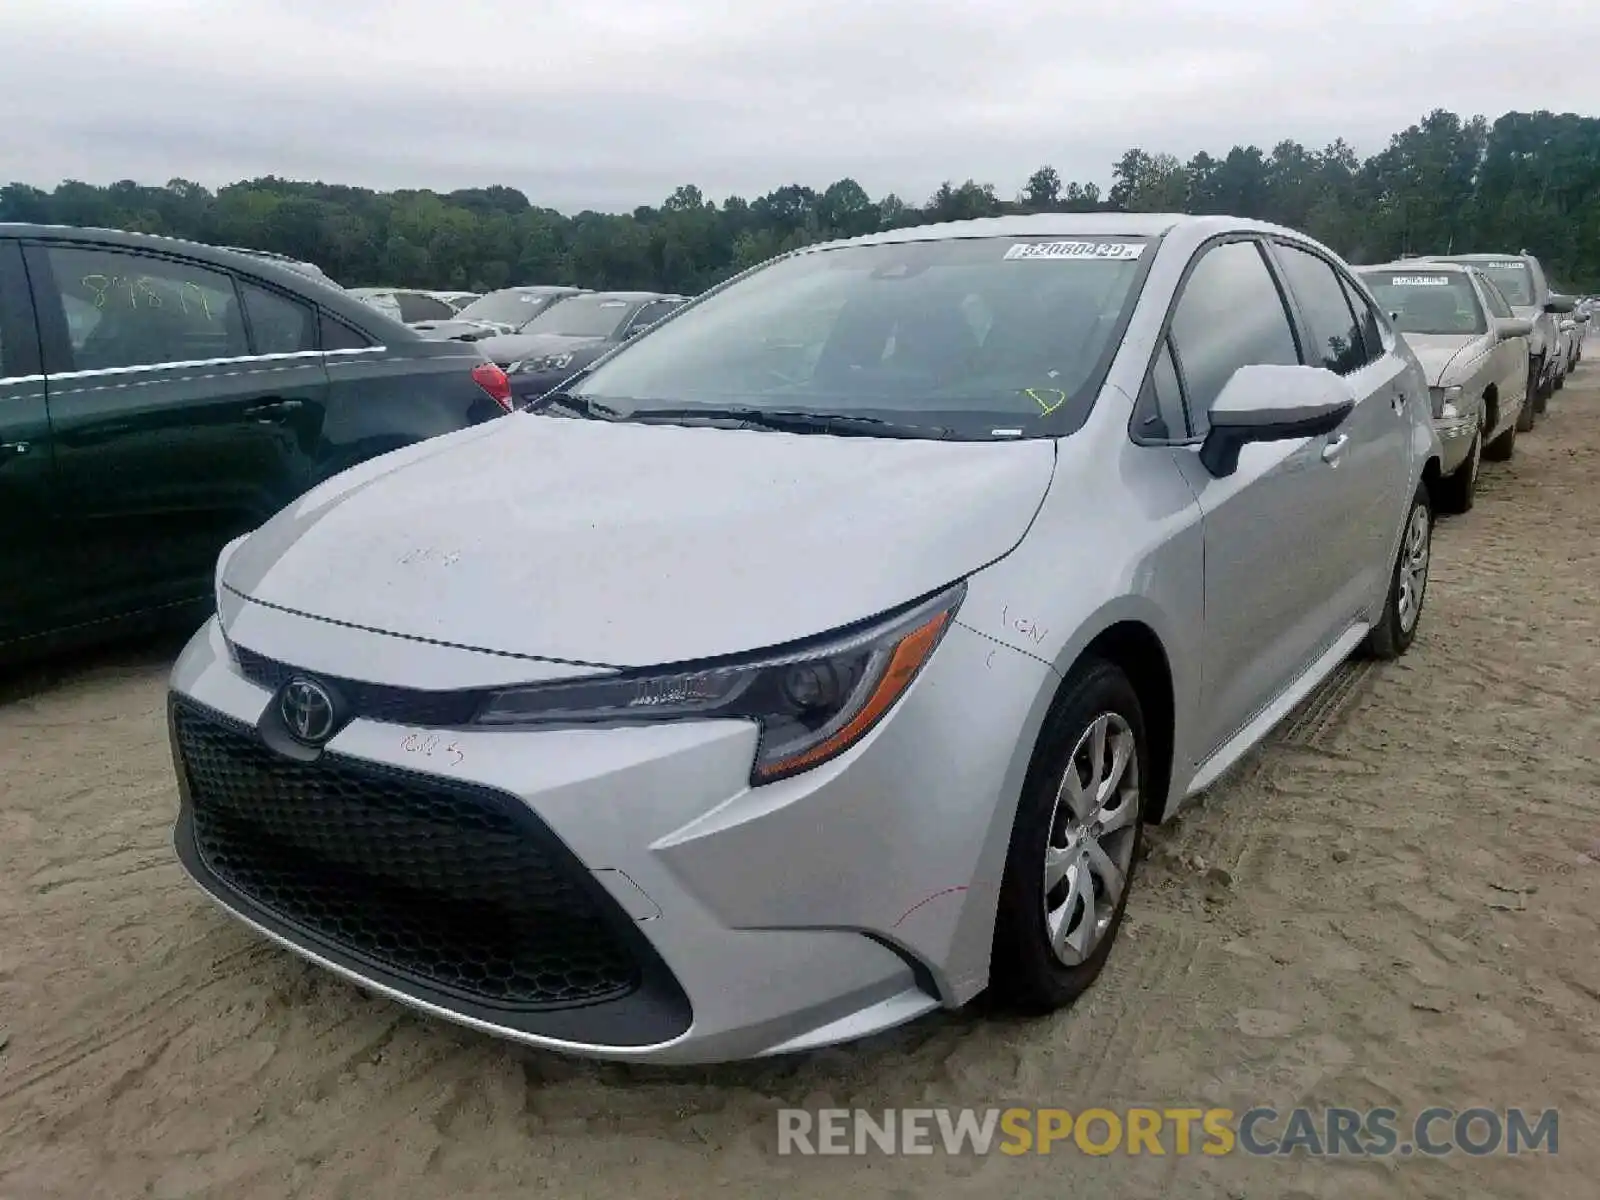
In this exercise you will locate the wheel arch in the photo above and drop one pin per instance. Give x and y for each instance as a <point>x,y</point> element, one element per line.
<point>1491,404</point>
<point>1137,650</point>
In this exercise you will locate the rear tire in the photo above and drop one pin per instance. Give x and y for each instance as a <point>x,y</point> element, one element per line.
<point>1408,583</point>
<point>1504,446</point>
<point>1079,823</point>
<point>1456,491</point>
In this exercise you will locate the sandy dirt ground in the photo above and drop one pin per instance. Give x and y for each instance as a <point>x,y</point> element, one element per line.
<point>1408,918</point>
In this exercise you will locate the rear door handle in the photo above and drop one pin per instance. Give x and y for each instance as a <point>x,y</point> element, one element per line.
<point>1334,450</point>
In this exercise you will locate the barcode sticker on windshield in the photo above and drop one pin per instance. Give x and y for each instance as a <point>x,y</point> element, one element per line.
<point>1057,251</point>
<point>1505,266</point>
<point>1422,281</point>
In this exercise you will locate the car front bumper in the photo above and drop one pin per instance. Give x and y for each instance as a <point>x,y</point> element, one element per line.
<point>1455,440</point>
<point>701,920</point>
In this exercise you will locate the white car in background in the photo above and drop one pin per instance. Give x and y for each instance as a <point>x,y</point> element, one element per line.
<point>1475,353</point>
<point>410,304</point>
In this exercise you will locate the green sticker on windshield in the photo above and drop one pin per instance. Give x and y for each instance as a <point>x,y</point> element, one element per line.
<point>1048,399</point>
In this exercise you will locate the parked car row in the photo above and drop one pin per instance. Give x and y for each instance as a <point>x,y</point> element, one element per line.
<point>811,656</point>
<point>1496,343</point>
<point>159,397</point>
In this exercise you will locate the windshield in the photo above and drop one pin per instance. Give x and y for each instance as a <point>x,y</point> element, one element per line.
<point>584,316</point>
<point>510,307</point>
<point>1441,302</point>
<point>979,336</point>
<point>1513,278</point>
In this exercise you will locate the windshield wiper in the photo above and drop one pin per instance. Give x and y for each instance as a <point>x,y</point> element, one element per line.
<point>578,406</point>
<point>786,420</point>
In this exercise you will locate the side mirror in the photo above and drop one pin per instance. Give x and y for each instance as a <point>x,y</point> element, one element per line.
<point>1512,327</point>
<point>1560,304</point>
<point>1264,403</point>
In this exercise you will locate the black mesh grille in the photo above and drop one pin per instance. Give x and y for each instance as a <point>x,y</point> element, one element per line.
<point>374,701</point>
<point>448,884</point>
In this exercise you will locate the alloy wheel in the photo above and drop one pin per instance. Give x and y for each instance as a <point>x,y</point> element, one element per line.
<point>1414,566</point>
<point>1089,853</point>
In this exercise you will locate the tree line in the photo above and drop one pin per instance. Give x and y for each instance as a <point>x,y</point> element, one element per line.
<point>1447,183</point>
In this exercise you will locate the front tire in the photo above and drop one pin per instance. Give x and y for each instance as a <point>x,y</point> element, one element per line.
<point>1528,413</point>
<point>1504,446</point>
<point>1074,845</point>
<point>1408,583</point>
<point>1457,490</point>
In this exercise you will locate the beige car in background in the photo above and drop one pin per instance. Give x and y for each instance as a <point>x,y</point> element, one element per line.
<point>1475,352</point>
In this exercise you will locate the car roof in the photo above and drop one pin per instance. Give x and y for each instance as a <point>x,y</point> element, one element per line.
<point>262,265</point>
<point>1425,264</point>
<point>538,289</point>
<point>1477,258</point>
<point>1097,224</point>
<point>637,296</point>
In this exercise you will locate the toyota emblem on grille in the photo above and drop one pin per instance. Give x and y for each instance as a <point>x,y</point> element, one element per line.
<point>307,710</point>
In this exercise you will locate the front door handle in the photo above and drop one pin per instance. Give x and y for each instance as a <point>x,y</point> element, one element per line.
<point>273,409</point>
<point>1334,450</point>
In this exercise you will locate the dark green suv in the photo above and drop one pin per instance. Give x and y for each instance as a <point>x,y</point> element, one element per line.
<point>158,398</point>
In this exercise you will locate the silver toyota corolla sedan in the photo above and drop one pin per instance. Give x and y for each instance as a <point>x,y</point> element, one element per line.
<point>816,659</point>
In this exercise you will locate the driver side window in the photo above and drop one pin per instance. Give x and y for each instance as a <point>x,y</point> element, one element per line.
<point>1230,314</point>
<point>1492,297</point>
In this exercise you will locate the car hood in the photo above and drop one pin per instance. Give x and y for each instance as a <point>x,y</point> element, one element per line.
<point>621,544</point>
<point>1437,352</point>
<point>514,347</point>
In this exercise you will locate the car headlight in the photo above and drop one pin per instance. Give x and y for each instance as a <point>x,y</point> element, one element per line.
<point>1444,401</point>
<point>811,704</point>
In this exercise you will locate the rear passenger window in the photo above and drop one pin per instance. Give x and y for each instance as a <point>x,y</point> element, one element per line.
<point>336,335</point>
<point>1335,337</point>
<point>278,324</point>
<point>125,309</point>
<point>1229,316</point>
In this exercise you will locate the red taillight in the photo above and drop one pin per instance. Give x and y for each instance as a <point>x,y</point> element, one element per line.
<point>493,380</point>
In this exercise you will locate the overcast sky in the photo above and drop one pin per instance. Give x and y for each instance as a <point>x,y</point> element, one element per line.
<point>612,103</point>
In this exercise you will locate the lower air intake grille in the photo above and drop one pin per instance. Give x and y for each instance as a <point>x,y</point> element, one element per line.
<point>455,886</point>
